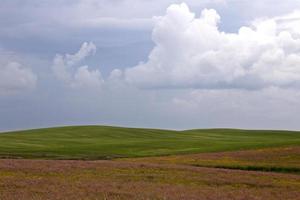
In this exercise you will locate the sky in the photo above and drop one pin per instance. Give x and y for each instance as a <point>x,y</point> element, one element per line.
<point>158,64</point>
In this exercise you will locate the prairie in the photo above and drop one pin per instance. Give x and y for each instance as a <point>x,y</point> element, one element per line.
<point>50,179</point>
<point>103,142</point>
<point>279,159</point>
<point>100,162</point>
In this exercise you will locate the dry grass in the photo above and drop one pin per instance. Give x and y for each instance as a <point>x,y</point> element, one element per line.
<point>284,159</point>
<point>41,179</point>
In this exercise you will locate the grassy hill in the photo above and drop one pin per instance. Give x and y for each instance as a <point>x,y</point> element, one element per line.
<point>103,142</point>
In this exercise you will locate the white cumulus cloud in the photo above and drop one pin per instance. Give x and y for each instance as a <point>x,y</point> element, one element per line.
<point>65,68</point>
<point>15,78</point>
<point>191,52</point>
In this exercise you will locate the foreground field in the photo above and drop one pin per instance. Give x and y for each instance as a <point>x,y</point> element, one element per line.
<point>216,164</point>
<point>283,159</point>
<point>42,179</point>
<point>100,142</point>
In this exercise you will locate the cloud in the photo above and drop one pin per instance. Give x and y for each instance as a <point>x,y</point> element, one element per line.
<point>85,78</point>
<point>115,23</point>
<point>64,68</point>
<point>268,108</point>
<point>15,78</point>
<point>191,52</point>
<point>80,16</point>
<point>85,50</point>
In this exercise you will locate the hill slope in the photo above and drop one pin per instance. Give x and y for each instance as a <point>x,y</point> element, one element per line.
<point>103,142</point>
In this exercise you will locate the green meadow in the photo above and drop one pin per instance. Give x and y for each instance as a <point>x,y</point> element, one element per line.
<point>103,142</point>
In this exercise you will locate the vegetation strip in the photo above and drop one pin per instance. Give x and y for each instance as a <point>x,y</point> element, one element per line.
<point>255,168</point>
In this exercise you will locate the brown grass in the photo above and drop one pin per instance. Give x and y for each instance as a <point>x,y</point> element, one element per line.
<point>41,179</point>
<point>278,158</point>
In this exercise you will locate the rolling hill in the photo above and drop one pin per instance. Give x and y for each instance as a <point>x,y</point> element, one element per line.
<point>104,142</point>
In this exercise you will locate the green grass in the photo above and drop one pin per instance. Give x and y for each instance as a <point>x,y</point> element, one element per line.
<point>103,142</point>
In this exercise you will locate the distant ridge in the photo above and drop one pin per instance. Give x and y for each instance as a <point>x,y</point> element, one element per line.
<point>107,142</point>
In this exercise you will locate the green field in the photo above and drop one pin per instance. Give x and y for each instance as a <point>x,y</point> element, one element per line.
<point>227,164</point>
<point>103,142</point>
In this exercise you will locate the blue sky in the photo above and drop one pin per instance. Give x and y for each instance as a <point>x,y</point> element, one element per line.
<point>161,63</point>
